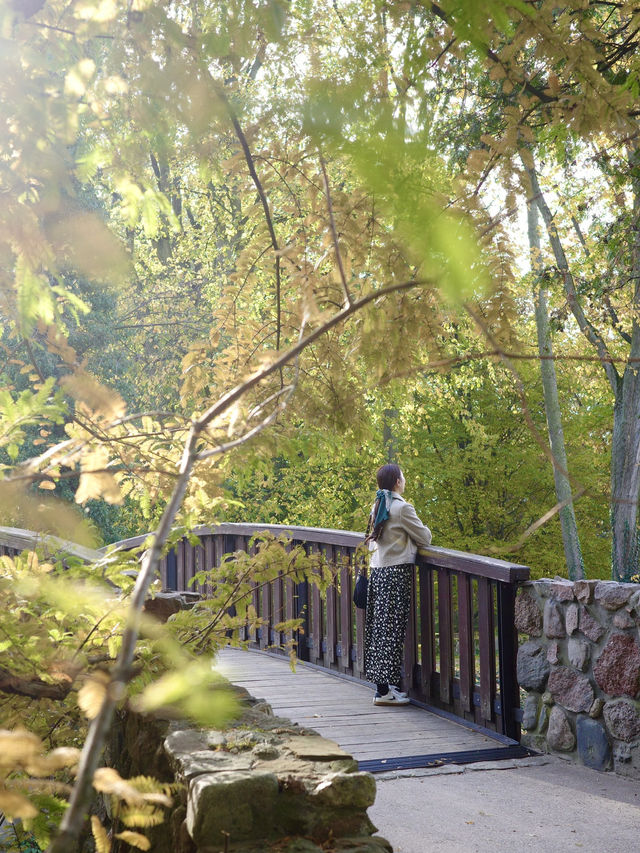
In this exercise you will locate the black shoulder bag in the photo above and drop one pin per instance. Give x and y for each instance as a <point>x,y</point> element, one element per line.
<point>362,583</point>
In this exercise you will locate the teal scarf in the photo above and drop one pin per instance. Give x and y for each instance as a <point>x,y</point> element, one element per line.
<point>384,498</point>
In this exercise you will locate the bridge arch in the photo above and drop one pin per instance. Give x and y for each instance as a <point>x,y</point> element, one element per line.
<point>461,648</point>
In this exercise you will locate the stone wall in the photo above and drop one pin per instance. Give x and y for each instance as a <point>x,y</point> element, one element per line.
<point>262,784</point>
<point>579,665</point>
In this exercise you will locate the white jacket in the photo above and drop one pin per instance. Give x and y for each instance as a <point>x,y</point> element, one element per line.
<point>403,533</point>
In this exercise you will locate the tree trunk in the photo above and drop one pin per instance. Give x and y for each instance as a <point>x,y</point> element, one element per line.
<point>625,444</point>
<point>570,538</point>
<point>625,467</point>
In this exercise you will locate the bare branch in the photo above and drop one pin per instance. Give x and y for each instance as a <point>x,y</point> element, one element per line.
<point>256,430</point>
<point>334,233</point>
<point>509,549</point>
<point>34,688</point>
<point>91,753</point>
<point>265,206</point>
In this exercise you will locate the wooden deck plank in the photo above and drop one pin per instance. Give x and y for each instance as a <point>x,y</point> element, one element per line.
<point>342,710</point>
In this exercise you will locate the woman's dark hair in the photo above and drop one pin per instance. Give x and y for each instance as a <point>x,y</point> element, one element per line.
<point>387,476</point>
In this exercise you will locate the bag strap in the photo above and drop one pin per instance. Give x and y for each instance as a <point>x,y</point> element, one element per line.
<point>369,531</point>
<point>361,568</point>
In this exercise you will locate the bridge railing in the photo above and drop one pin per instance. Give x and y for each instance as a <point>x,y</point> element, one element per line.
<point>460,654</point>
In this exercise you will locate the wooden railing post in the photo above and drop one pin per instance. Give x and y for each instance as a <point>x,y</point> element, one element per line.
<point>302,612</point>
<point>508,646</point>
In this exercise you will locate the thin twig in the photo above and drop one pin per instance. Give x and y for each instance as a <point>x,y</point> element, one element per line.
<point>334,233</point>
<point>508,549</point>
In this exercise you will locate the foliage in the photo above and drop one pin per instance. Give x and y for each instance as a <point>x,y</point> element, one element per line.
<point>249,251</point>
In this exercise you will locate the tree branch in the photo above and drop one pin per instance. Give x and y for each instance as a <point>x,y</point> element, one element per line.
<point>334,233</point>
<point>34,688</point>
<point>540,441</point>
<point>265,206</point>
<point>586,327</point>
<point>528,87</point>
<point>509,549</point>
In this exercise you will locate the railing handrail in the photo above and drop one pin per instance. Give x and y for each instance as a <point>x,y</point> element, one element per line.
<point>27,540</point>
<point>347,538</point>
<point>459,561</point>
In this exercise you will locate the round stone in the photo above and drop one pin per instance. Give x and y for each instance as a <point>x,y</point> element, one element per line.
<point>594,748</point>
<point>559,734</point>
<point>579,652</point>
<point>612,595</point>
<point>584,590</point>
<point>533,666</point>
<point>553,620</point>
<point>528,617</point>
<point>570,689</point>
<point>617,670</point>
<point>590,626</point>
<point>622,720</point>
<point>571,618</point>
<point>530,712</point>
<point>562,590</point>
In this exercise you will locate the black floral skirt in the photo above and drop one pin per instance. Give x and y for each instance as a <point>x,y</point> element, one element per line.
<point>388,603</point>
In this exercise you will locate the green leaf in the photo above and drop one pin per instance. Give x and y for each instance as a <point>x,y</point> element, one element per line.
<point>35,300</point>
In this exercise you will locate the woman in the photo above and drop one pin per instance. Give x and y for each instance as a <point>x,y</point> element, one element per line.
<point>394,534</point>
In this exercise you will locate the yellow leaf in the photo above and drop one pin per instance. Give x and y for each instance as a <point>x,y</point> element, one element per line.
<point>554,84</point>
<point>527,158</point>
<point>105,778</point>
<point>15,805</point>
<point>64,756</point>
<point>95,481</point>
<point>527,133</point>
<point>46,515</point>
<point>100,399</point>
<point>46,484</point>
<point>108,781</point>
<point>135,839</point>
<point>92,693</point>
<point>477,159</point>
<point>103,845</point>
<point>18,747</point>
<point>98,485</point>
<point>57,344</point>
<point>83,241</point>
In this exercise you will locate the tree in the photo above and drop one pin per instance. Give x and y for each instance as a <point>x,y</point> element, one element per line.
<point>566,79</point>
<point>570,539</point>
<point>102,75</point>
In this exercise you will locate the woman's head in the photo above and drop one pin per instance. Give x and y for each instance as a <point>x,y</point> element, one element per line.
<point>388,477</point>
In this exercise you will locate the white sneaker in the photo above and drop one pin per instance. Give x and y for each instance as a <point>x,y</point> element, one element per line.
<point>393,697</point>
<point>397,690</point>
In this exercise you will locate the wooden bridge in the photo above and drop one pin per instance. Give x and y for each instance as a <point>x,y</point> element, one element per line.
<point>459,661</point>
